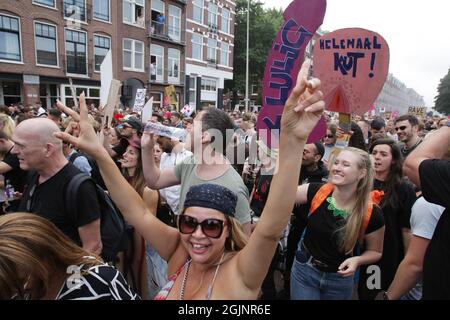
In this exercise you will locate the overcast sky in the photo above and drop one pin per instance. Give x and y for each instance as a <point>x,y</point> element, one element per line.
<point>417,32</point>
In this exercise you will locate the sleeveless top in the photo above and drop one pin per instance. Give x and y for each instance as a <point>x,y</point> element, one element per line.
<point>162,295</point>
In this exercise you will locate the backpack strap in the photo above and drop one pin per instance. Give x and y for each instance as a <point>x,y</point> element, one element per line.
<point>74,156</point>
<point>320,196</point>
<point>71,193</point>
<point>365,222</point>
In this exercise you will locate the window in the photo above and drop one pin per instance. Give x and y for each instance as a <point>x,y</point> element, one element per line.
<point>192,90</point>
<point>101,48</point>
<point>212,15</point>
<point>75,9</point>
<point>208,84</point>
<point>134,12</point>
<point>48,93</point>
<point>198,11</point>
<point>92,95</point>
<point>224,54</point>
<point>45,39</point>
<point>174,23</point>
<point>101,10</point>
<point>47,3</point>
<point>133,55</point>
<point>212,46</point>
<point>174,65</point>
<point>9,39</point>
<point>10,92</point>
<point>76,55</point>
<point>157,57</point>
<point>225,24</point>
<point>197,46</point>
<point>157,100</point>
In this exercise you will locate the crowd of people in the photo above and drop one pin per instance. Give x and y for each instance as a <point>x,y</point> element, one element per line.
<point>219,214</point>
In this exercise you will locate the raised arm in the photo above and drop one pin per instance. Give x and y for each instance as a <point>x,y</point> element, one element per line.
<point>163,238</point>
<point>302,111</point>
<point>155,178</point>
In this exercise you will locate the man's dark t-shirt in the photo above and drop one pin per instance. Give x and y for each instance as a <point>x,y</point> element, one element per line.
<point>435,185</point>
<point>48,200</point>
<point>16,176</point>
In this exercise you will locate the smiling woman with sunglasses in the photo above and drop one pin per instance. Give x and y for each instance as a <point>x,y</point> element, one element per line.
<point>207,256</point>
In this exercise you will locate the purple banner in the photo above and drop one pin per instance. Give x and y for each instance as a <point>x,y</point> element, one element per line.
<point>302,19</point>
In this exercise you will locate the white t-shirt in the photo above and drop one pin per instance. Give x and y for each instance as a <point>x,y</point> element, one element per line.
<point>424,218</point>
<point>172,194</point>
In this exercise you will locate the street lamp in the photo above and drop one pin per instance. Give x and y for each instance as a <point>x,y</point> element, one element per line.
<point>246,61</point>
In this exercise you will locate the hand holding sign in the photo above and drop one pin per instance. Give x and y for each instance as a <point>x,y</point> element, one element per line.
<point>353,65</point>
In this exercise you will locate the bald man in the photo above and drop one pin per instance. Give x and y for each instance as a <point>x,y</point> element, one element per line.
<point>40,152</point>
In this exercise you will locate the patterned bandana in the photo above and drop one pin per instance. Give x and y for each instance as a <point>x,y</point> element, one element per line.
<point>212,196</point>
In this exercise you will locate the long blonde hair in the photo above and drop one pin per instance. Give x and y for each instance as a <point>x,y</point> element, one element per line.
<point>351,230</point>
<point>237,239</point>
<point>8,125</point>
<point>32,251</point>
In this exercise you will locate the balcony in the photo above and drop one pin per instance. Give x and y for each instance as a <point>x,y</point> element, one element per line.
<point>163,31</point>
<point>212,63</point>
<point>165,77</point>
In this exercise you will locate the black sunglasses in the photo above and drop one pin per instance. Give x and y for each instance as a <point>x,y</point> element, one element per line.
<point>330,136</point>
<point>400,128</point>
<point>212,228</point>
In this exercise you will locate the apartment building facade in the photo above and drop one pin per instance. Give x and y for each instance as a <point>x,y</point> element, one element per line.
<point>44,43</point>
<point>210,47</point>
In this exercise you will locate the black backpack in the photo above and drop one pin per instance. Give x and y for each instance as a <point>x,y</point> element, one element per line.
<point>95,172</point>
<point>112,224</point>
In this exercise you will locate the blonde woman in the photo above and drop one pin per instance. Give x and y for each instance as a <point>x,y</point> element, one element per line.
<point>38,261</point>
<point>7,125</point>
<point>341,217</point>
<point>209,256</point>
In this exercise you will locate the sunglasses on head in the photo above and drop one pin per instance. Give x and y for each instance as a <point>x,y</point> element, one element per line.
<point>212,228</point>
<point>400,128</point>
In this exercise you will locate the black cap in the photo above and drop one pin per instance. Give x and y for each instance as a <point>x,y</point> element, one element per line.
<point>320,149</point>
<point>134,123</point>
<point>214,196</point>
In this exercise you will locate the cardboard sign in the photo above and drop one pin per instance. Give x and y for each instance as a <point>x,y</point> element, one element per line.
<point>106,77</point>
<point>187,110</point>
<point>171,94</point>
<point>301,20</point>
<point>417,111</point>
<point>147,111</point>
<point>111,102</point>
<point>352,65</point>
<point>139,100</point>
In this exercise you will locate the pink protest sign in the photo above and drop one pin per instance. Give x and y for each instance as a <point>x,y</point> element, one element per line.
<point>302,19</point>
<point>352,65</point>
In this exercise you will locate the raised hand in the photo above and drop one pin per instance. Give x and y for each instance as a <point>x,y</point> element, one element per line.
<point>87,140</point>
<point>147,140</point>
<point>304,107</point>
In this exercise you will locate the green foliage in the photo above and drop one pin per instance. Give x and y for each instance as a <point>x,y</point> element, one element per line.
<point>442,100</point>
<point>263,27</point>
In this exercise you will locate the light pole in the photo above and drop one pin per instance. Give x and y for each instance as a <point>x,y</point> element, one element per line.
<point>246,61</point>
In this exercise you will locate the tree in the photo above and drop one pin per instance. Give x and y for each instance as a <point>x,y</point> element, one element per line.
<point>442,100</point>
<point>263,28</point>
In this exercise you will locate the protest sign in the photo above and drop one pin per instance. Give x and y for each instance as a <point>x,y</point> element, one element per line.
<point>352,65</point>
<point>106,77</point>
<point>417,111</point>
<point>139,100</point>
<point>301,20</point>
<point>171,95</point>
<point>165,131</point>
<point>147,111</point>
<point>187,110</point>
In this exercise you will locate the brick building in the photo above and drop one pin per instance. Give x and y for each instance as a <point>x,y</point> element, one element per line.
<point>43,43</point>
